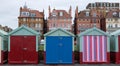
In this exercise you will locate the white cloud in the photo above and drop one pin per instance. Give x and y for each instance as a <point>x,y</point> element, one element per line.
<point>9,9</point>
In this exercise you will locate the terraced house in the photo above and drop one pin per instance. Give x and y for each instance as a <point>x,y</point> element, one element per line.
<point>60,19</point>
<point>31,18</point>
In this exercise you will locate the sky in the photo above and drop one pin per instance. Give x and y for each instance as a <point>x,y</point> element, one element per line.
<point>9,9</point>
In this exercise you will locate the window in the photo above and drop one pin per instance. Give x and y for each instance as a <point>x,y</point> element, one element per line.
<point>39,19</point>
<point>25,13</point>
<point>94,14</point>
<point>94,20</point>
<point>104,4</point>
<point>61,13</point>
<point>32,15</point>
<point>64,24</point>
<point>24,19</point>
<point>114,13</point>
<point>36,19</point>
<point>107,4</point>
<point>111,20</point>
<point>53,14</point>
<point>116,25</point>
<point>37,25</point>
<point>87,13</point>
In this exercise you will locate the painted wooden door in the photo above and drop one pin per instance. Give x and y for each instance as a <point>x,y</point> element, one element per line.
<point>65,50</point>
<point>0,48</point>
<point>23,49</point>
<point>29,49</point>
<point>94,49</point>
<point>58,50</point>
<point>16,52</point>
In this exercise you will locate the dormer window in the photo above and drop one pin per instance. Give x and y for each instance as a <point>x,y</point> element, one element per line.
<point>32,15</point>
<point>61,13</point>
<point>25,13</point>
<point>54,14</point>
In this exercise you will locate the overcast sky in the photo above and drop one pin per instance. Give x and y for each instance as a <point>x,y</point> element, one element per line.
<point>9,9</point>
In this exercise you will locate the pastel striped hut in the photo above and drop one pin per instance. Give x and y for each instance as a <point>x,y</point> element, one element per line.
<point>94,46</point>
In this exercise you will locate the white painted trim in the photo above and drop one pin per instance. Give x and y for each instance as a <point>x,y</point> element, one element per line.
<point>9,43</point>
<point>45,44</point>
<point>73,44</point>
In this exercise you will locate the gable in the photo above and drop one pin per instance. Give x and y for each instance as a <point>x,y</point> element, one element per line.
<point>94,32</point>
<point>59,32</point>
<point>23,32</point>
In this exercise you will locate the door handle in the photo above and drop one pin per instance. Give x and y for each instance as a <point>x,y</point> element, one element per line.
<point>24,48</point>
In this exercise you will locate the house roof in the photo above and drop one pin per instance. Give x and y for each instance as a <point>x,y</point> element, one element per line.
<point>26,28</point>
<point>65,14</point>
<point>36,12</point>
<point>59,29</point>
<point>110,14</point>
<point>92,30</point>
<point>82,14</point>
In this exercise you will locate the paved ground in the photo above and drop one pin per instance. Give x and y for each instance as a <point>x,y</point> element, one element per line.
<point>63,65</point>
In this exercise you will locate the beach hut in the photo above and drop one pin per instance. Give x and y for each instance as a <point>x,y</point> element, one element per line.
<point>23,46</point>
<point>3,46</point>
<point>94,46</point>
<point>59,47</point>
<point>115,47</point>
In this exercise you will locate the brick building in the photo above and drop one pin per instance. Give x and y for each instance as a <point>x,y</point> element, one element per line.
<point>31,18</point>
<point>5,28</point>
<point>113,21</point>
<point>101,5</point>
<point>87,19</point>
<point>60,19</point>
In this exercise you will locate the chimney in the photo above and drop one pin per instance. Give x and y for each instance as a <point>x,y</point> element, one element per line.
<point>76,11</point>
<point>49,10</point>
<point>20,10</point>
<point>70,10</point>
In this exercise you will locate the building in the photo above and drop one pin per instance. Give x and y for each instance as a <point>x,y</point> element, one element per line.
<point>101,5</point>
<point>87,19</point>
<point>113,21</point>
<point>31,18</point>
<point>5,28</point>
<point>60,19</point>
